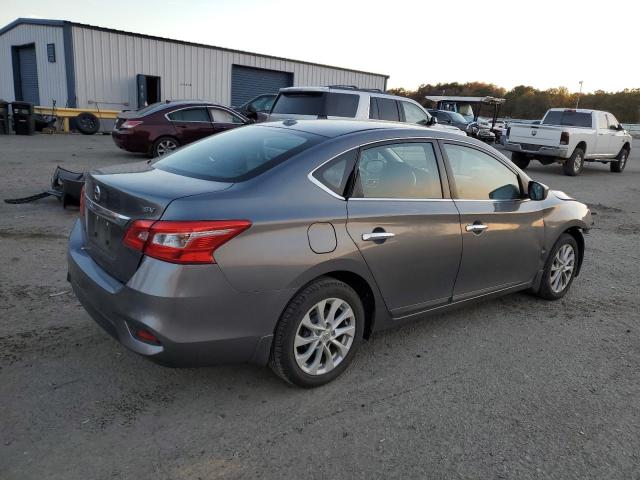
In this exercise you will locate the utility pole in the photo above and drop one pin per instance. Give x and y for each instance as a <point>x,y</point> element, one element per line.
<point>579,93</point>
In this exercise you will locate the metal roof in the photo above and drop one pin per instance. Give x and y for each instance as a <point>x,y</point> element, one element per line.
<point>62,23</point>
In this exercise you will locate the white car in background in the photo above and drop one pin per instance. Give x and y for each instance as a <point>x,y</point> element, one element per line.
<point>349,102</point>
<point>570,137</point>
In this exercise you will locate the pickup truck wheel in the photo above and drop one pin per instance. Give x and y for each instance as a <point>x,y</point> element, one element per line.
<point>617,166</point>
<point>520,159</point>
<point>574,164</point>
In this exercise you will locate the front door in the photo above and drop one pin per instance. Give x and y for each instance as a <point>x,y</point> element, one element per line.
<point>191,124</point>
<point>406,229</point>
<point>618,135</point>
<point>502,232</point>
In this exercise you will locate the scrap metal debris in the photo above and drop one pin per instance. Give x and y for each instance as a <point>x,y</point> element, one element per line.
<point>65,185</point>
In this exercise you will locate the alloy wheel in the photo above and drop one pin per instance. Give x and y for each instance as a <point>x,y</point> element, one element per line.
<point>577,163</point>
<point>623,159</point>
<point>562,268</point>
<point>324,336</point>
<point>166,146</point>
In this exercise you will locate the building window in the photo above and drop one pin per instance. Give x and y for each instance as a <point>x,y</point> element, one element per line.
<point>51,52</point>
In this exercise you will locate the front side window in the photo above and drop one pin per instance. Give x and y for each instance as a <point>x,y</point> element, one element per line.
<point>414,114</point>
<point>613,121</point>
<point>479,176</point>
<point>222,116</point>
<point>335,174</point>
<point>238,154</point>
<point>400,171</point>
<point>197,114</point>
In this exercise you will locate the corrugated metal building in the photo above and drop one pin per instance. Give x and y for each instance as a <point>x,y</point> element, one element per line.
<point>80,65</point>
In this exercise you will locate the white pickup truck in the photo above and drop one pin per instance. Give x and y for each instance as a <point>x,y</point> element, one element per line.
<point>570,137</point>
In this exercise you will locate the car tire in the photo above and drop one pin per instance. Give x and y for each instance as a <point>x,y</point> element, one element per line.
<point>306,342</point>
<point>556,280</point>
<point>617,166</point>
<point>163,146</point>
<point>574,164</point>
<point>520,160</point>
<point>87,123</point>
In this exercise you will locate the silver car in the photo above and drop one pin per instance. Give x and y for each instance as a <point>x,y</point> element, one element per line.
<point>288,243</point>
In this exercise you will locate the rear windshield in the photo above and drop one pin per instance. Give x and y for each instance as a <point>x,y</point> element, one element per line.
<point>322,104</point>
<point>238,154</point>
<point>567,118</point>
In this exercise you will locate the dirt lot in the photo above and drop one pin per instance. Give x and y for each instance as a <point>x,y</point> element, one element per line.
<point>510,388</point>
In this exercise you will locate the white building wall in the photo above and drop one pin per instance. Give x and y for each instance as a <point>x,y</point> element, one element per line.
<point>106,65</point>
<point>52,78</point>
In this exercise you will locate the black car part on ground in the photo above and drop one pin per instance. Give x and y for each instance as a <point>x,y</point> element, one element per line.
<point>65,185</point>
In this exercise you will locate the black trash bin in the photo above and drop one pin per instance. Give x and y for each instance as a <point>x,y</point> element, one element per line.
<point>4,117</point>
<point>23,118</point>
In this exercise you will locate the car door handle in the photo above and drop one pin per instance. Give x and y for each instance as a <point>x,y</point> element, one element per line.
<point>371,237</point>
<point>476,228</point>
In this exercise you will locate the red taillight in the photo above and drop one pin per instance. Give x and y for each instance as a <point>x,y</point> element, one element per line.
<point>146,336</point>
<point>131,123</point>
<point>564,138</point>
<point>82,206</point>
<point>182,242</point>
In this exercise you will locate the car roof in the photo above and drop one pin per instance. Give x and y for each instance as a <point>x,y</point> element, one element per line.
<point>159,106</point>
<point>335,128</point>
<point>344,89</point>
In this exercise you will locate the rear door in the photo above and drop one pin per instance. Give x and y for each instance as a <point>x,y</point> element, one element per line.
<point>502,232</point>
<point>224,119</point>
<point>604,136</point>
<point>404,224</point>
<point>191,123</point>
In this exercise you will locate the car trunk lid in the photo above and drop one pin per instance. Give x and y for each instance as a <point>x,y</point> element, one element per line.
<point>117,196</point>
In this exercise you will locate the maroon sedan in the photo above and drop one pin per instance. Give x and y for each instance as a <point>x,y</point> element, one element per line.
<point>162,127</point>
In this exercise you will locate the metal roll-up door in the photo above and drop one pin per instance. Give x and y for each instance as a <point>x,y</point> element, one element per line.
<point>28,74</point>
<point>249,82</point>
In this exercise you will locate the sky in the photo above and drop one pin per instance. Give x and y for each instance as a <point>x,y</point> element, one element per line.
<point>543,43</point>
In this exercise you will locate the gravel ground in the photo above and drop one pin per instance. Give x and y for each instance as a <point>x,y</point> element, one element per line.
<point>509,388</point>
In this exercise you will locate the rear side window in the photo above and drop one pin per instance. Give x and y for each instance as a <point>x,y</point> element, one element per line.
<point>478,176</point>
<point>388,109</point>
<point>317,104</point>
<point>400,171</point>
<point>238,154</point>
<point>198,114</point>
<point>335,174</point>
<point>567,118</point>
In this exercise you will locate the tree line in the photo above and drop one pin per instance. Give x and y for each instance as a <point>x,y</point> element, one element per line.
<point>525,102</point>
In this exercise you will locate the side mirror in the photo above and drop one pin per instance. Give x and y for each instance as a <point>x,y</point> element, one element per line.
<point>251,108</point>
<point>432,121</point>
<point>617,128</point>
<point>537,190</point>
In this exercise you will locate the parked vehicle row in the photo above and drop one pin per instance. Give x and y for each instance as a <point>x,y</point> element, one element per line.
<point>289,242</point>
<point>474,128</point>
<point>570,137</point>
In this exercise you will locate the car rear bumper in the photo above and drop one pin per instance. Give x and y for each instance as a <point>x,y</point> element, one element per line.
<point>199,318</point>
<point>131,141</point>
<point>562,152</point>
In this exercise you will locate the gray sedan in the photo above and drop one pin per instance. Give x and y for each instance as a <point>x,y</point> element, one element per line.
<point>288,243</point>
